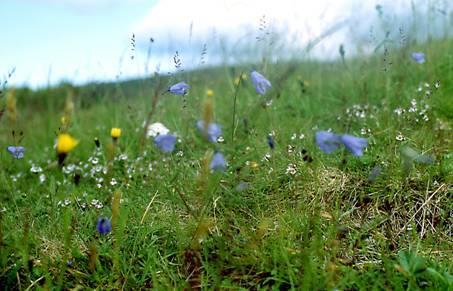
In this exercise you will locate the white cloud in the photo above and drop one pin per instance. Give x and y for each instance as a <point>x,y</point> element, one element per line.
<point>170,21</point>
<point>186,25</point>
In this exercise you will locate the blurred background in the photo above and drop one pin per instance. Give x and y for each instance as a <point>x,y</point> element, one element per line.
<point>46,42</point>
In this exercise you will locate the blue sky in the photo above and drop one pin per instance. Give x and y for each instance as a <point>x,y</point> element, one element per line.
<point>74,41</point>
<point>48,41</point>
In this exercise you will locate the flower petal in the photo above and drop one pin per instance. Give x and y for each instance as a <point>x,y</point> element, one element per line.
<point>355,145</point>
<point>327,141</point>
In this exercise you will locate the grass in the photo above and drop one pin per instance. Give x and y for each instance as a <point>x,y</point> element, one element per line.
<point>291,217</point>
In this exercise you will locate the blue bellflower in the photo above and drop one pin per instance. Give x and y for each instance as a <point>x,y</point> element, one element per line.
<point>260,82</point>
<point>270,142</point>
<point>165,142</point>
<point>354,144</point>
<point>418,57</point>
<point>218,162</point>
<point>213,131</point>
<point>17,152</point>
<point>329,142</point>
<point>103,226</point>
<point>180,88</point>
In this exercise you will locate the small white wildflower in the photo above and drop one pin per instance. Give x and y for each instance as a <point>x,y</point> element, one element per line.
<point>35,169</point>
<point>269,103</point>
<point>180,154</point>
<point>42,178</point>
<point>96,203</point>
<point>122,157</point>
<point>64,203</point>
<point>69,168</point>
<point>437,85</point>
<point>400,137</point>
<point>220,139</point>
<point>93,160</point>
<point>113,182</point>
<point>301,136</point>
<point>290,149</point>
<point>294,136</point>
<point>365,131</point>
<point>291,169</point>
<point>399,111</point>
<point>267,157</point>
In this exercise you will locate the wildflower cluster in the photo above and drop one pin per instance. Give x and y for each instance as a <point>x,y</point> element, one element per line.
<point>418,110</point>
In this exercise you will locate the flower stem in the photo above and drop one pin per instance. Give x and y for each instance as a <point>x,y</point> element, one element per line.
<point>236,91</point>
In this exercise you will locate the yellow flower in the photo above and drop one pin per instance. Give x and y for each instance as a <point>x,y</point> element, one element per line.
<point>115,132</point>
<point>240,79</point>
<point>209,93</point>
<point>65,143</point>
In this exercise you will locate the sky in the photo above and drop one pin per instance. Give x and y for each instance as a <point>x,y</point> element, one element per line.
<point>44,42</point>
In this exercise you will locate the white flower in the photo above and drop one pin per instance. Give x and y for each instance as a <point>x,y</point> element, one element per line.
<point>35,169</point>
<point>291,169</point>
<point>156,129</point>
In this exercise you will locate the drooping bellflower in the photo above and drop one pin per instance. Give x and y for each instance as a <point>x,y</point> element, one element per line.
<point>218,162</point>
<point>17,152</point>
<point>103,225</point>
<point>180,88</point>
<point>212,132</point>
<point>165,142</point>
<point>418,57</point>
<point>260,82</point>
<point>329,142</point>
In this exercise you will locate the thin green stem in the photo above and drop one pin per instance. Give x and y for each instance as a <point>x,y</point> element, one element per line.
<point>236,91</point>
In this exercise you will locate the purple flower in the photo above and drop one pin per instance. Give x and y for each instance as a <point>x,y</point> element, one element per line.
<point>260,82</point>
<point>218,162</point>
<point>270,141</point>
<point>418,57</point>
<point>179,88</point>
<point>213,131</point>
<point>354,144</point>
<point>165,142</point>
<point>327,141</point>
<point>103,226</point>
<point>17,152</point>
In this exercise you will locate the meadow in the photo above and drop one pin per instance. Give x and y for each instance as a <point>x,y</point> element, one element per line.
<point>338,176</point>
